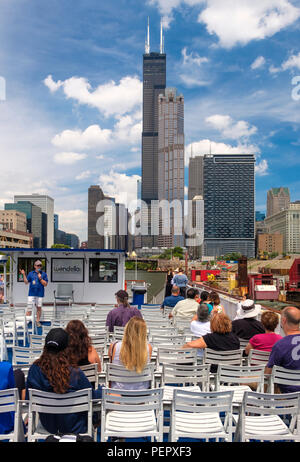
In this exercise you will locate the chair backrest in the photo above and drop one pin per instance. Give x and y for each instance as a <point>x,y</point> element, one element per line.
<point>243,343</point>
<point>157,340</point>
<point>282,376</point>
<point>54,403</point>
<point>165,331</point>
<point>91,373</point>
<point>151,307</point>
<point>177,356</point>
<point>161,323</point>
<point>36,341</point>
<point>202,402</point>
<point>231,375</point>
<point>222,357</point>
<point>118,373</point>
<point>131,400</point>
<point>257,357</point>
<point>64,290</point>
<point>25,355</point>
<point>186,375</point>
<point>9,402</point>
<point>270,404</point>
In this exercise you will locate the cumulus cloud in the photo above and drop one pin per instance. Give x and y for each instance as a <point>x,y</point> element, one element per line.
<point>237,22</point>
<point>206,146</point>
<point>261,168</point>
<point>68,158</point>
<point>258,63</point>
<point>192,58</point>
<point>111,98</point>
<point>93,137</point>
<point>121,186</point>
<point>73,221</point>
<point>229,129</point>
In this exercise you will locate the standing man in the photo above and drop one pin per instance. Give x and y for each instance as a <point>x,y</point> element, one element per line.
<point>180,280</point>
<point>38,280</point>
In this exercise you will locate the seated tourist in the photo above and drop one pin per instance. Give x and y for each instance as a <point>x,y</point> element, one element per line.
<point>187,308</point>
<point>180,280</point>
<point>285,352</point>
<point>120,315</point>
<point>201,326</point>
<point>134,352</point>
<point>246,326</point>
<point>221,337</point>
<point>204,298</point>
<point>173,299</point>
<point>80,350</point>
<point>7,381</point>
<point>215,301</point>
<point>53,372</point>
<point>266,341</point>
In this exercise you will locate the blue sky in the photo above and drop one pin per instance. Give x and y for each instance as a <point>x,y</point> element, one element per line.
<point>73,71</point>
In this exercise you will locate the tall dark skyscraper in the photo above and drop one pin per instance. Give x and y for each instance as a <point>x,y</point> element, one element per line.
<point>154,84</point>
<point>229,200</point>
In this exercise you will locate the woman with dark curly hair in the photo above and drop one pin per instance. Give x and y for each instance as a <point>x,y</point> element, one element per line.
<point>53,373</point>
<point>80,350</point>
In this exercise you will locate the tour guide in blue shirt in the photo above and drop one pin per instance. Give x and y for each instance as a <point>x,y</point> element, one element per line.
<point>37,281</point>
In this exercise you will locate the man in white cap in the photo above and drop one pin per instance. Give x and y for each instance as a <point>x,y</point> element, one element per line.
<point>246,325</point>
<point>38,280</point>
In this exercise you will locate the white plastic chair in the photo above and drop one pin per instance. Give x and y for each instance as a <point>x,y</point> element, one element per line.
<point>91,373</point>
<point>177,356</point>
<point>283,376</point>
<point>214,357</point>
<point>238,378</point>
<point>198,415</point>
<point>9,402</point>
<point>25,355</point>
<point>260,417</point>
<point>132,414</point>
<point>54,403</point>
<point>258,357</point>
<point>64,293</point>
<point>118,373</point>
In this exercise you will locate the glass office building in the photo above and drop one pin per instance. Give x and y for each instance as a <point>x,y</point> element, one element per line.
<point>229,204</point>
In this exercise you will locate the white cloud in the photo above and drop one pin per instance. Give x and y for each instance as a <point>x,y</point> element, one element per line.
<point>111,99</point>
<point>53,86</point>
<point>202,147</point>
<point>83,175</point>
<point>190,81</point>
<point>68,158</point>
<point>121,186</point>
<point>93,137</point>
<point>261,169</point>
<point>193,58</point>
<point>258,63</point>
<point>237,22</point>
<point>293,62</point>
<point>230,129</point>
<point>73,221</point>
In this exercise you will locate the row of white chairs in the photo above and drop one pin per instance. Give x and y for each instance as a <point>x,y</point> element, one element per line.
<point>194,414</point>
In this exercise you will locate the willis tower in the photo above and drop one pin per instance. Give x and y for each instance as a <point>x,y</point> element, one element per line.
<point>154,84</point>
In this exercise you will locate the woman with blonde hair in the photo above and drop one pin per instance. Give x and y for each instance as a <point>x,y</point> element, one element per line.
<point>134,352</point>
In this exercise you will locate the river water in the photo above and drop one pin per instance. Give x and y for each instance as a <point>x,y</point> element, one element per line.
<point>155,279</point>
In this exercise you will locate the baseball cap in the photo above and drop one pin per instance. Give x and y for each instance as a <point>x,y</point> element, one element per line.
<point>38,262</point>
<point>57,340</point>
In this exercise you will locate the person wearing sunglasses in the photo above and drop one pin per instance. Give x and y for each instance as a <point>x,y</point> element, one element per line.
<point>37,281</point>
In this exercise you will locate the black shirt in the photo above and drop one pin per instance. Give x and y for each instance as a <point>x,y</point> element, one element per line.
<point>222,342</point>
<point>247,328</point>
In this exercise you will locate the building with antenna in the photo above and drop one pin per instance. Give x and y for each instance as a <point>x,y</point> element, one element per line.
<point>154,84</point>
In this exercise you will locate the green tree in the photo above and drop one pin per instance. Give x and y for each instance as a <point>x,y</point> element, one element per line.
<point>60,246</point>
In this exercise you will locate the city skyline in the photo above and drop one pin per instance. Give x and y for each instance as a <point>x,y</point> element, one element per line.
<point>63,125</point>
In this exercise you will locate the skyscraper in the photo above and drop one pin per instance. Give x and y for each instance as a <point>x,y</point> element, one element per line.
<point>95,235</point>
<point>171,165</point>
<point>34,219</point>
<point>154,83</point>
<point>195,177</point>
<point>46,204</point>
<point>278,199</point>
<point>229,197</point>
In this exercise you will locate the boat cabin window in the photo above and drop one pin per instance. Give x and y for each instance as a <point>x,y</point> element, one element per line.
<point>103,270</point>
<point>27,264</point>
